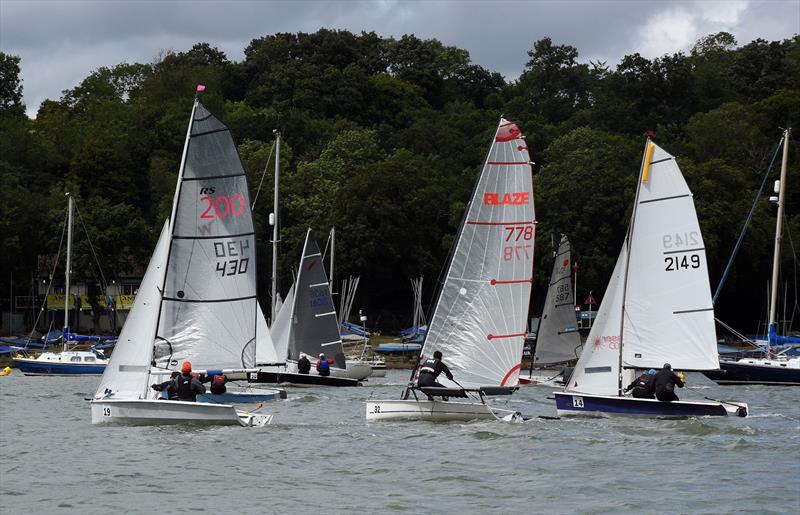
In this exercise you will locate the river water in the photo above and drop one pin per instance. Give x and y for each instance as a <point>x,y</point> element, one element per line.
<point>321,456</point>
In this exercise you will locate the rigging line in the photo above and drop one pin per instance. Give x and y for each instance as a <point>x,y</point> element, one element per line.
<point>52,274</point>
<point>91,247</point>
<point>746,224</point>
<point>263,174</point>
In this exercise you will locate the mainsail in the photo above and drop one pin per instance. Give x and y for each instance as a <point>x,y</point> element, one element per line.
<point>479,319</point>
<point>128,370</point>
<point>669,316</point>
<point>313,326</point>
<point>208,308</point>
<point>657,307</point>
<point>557,339</point>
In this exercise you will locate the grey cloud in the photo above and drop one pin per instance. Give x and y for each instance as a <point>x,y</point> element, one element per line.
<point>61,42</point>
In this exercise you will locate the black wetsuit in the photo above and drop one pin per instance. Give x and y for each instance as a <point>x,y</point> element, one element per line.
<point>430,370</point>
<point>664,383</point>
<point>303,365</point>
<point>642,387</point>
<point>188,388</point>
<point>170,387</point>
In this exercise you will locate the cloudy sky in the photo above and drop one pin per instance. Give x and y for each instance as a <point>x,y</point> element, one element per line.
<point>62,41</point>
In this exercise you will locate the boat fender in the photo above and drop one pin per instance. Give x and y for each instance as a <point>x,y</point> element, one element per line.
<point>6,371</point>
<point>741,411</point>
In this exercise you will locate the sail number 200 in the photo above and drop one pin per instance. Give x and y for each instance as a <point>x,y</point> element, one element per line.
<point>675,263</point>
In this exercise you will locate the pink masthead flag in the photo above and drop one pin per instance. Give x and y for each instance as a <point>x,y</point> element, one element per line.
<point>201,87</point>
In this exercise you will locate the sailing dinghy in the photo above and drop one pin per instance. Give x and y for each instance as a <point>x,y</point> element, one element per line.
<point>557,340</point>
<point>306,324</point>
<point>479,319</point>
<point>197,301</point>
<point>657,307</point>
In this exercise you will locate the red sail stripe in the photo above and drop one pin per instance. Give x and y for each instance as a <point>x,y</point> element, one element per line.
<point>495,281</point>
<point>516,368</point>
<point>508,163</point>
<point>501,223</point>
<point>495,336</point>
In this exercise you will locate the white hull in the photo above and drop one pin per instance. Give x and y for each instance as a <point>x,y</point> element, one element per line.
<point>432,410</point>
<point>356,369</point>
<point>379,370</point>
<point>161,412</point>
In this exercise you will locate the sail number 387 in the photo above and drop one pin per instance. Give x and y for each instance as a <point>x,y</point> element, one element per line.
<point>675,263</point>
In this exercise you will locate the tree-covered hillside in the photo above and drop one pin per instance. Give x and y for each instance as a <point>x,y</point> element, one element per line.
<point>383,139</point>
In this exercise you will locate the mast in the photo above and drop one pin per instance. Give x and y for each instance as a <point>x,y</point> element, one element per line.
<point>333,250</point>
<point>776,257</point>
<point>172,224</point>
<point>643,177</point>
<point>65,337</point>
<point>274,221</point>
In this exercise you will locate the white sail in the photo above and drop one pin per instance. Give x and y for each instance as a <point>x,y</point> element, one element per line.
<point>597,370</point>
<point>208,310</point>
<point>281,327</point>
<point>480,317</point>
<point>265,347</point>
<point>669,316</point>
<point>128,370</point>
<point>557,339</point>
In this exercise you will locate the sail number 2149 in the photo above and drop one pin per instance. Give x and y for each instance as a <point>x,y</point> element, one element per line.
<point>684,262</point>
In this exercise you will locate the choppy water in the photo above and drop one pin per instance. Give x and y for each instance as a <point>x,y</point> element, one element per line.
<point>321,456</point>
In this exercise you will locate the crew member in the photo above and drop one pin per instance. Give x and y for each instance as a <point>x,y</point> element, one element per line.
<point>641,386</point>
<point>168,386</point>
<point>218,384</point>
<point>664,383</point>
<point>303,364</point>
<point>430,370</point>
<point>188,386</point>
<point>323,367</point>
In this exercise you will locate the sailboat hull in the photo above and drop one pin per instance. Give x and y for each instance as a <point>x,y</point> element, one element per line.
<point>68,363</point>
<point>574,404</point>
<point>242,397</point>
<point>356,369</point>
<point>757,371</point>
<point>292,379</point>
<point>429,410</point>
<point>162,412</point>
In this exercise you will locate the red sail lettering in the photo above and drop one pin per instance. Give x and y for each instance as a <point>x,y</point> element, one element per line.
<point>508,132</point>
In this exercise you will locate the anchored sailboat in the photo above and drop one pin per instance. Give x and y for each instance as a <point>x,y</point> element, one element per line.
<point>479,320</point>
<point>197,300</point>
<point>657,307</point>
<point>66,362</point>
<point>557,340</point>
<point>778,370</point>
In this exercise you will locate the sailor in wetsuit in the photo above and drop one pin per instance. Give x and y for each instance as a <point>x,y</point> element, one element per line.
<point>187,386</point>
<point>430,370</point>
<point>642,385</point>
<point>664,383</point>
